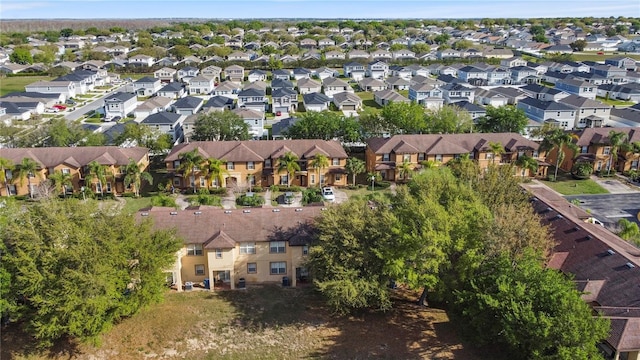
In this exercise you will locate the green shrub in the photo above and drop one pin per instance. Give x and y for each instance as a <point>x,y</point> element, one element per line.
<point>311,195</point>
<point>274,188</point>
<point>244,200</point>
<point>21,197</point>
<point>218,191</point>
<point>204,199</point>
<point>258,189</point>
<point>203,191</point>
<point>164,201</point>
<point>382,184</point>
<point>285,188</point>
<point>128,194</point>
<point>582,170</point>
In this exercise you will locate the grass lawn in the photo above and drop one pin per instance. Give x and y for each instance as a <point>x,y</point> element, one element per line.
<point>614,101</point>
<point>132,205</point>
<point>576,187</point>
<point>135,76</point>
<point>17,83</point>
<point>263,322</point>
<point>593,56</point>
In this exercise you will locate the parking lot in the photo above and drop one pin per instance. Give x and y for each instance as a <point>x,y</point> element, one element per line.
<point>609,208</point>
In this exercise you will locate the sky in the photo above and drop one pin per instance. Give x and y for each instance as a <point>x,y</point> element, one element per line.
<point>358,9</point>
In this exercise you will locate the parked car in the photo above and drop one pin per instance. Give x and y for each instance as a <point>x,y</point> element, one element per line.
<point>327,194</point>
<point>278,113</point>
<point>71,102</point>
<point>116,118</point>
<point>51,110</point>
<point>59,107</point>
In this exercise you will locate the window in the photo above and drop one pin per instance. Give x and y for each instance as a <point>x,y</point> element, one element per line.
<point>218,253</point>
<point>66,171</point>
<point>584,149</point>
<point>335,162</point>
<point>199,269</point>
<point>8,174</point>
<point>313,178</point>
<point>489,156</point>
<point>252,268</point>
<point>251,165</point>
<point>606,150</point>
<point>277,247</point>
<point>385,157</point>
<point>284,179</point>
<point>439,157</point>
<point>520,153</point>
<point>267,163</point>
<point>176,182</point>
<point>247,248</point>
<point>338,177</point>
<point>406,157</point>
<point>322,178</point>
<point>421,156</point>
<point>108,187</point>
<point>194,249</point>
<point>535,154</point>
<point>305,250</point>
<point>203,182</point>
<point>279,267</point>
<point>230,165</point>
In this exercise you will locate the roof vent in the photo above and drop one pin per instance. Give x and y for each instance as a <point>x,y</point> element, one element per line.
<point>298,210</point>
<point>197,213</point>
<point>173,213</point>
<point>275,210</point>
<point>588,237</point>
<point>611,252</point>
<point>575,228</point>
<point>558,216</point>
<point>629,265</point>
<point>246,211</point>
<point>227,211</point>
<point>144,214</point>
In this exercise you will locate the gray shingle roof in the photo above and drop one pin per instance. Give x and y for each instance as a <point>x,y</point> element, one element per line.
<point>161,118</point>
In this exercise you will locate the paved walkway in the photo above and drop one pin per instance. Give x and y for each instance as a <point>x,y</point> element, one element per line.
<point>181,201</point>
<point>229,200</point>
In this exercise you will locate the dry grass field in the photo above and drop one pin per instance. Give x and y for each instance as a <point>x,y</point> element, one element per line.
<point>266,322</point>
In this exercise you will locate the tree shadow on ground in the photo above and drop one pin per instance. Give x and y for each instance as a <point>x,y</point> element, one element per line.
<point>15,341</point>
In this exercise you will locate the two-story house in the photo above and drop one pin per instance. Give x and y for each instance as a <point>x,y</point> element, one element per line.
<point>549,111</point>
<point>66,88</point>
<point>622,62</point>
<point>589,113</point>
<point>187,73</point>
<point>473,75</point>
<point>254,119</point>
<point>174,90</point>
<point>354,70</point>
<point>166,74</point>
<point>308,86</point>
<point>234,73</point>
<point>73,161</point>
<point>228,89</point>
<point>119,104</point>
<point>577,87</point>
<point>428,95</point>
<point>284,100</point>
<point>238,248</point>
<point>146,86</point>
<point>252,99</point>
<point>331,86</point>
<point>378,70</point>
<point>257,162</point>
<point>453,93</point>
<point>166,123</point>
<point>212,72</point>
<point>153,105</point>
<point>524,75</point>
<point>141,60</point>
<point>542,92</point>
<point>188,105</point>
<point>385,155</point>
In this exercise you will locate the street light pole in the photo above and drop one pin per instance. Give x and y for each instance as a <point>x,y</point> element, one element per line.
<point>373,179</point>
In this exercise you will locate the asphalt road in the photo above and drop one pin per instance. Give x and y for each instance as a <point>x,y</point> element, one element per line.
<point>96,104</point>
<point>609,208</point>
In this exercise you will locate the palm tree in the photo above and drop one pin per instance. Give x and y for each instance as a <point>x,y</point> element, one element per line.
<point>560,140</point>
<point>319,162</point>
<point>496,149</point>
<point>616,139</point>
<point>60,181</point>
<point>190,162</point>
<point>5,165</point>
<point>27,169</point>
<point>98,172</point>
<point>214,170</point>
<point>404,170</point>
<point>527,163</point>
<point>289,164</point>
<point>134,176</point>
<point>355,167</point>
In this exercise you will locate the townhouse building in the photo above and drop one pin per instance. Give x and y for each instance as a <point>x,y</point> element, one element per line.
<point>75,162</point>
<point>385,156</point>
<point>257,162</point>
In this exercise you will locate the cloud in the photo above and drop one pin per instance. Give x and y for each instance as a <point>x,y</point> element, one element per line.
<point>21,6</point>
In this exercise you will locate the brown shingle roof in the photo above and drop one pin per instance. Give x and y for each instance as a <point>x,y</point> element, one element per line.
<point>218,227</point>
<point>451,143</point>
<point>264,149</point>
<point>75,156</point>
<point>591,136</point>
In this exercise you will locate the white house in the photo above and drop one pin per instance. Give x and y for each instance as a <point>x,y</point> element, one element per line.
<point>333,86</point>
<point>255,120</point>
<point>141,60</point>
<point>119,104</point>
<point>146,86</point>
<point>201,85</point>
<point>67,88</point>
<point>167,123</point>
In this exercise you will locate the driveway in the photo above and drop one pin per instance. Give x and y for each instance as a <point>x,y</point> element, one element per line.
<point>341,196</point>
